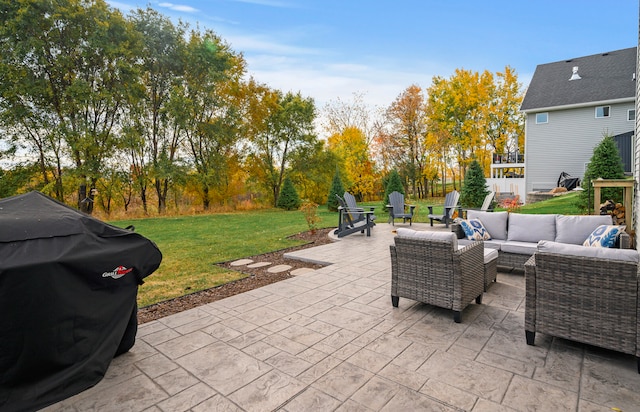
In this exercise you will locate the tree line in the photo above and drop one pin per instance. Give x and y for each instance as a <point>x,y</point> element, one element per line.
<point>99,109</point>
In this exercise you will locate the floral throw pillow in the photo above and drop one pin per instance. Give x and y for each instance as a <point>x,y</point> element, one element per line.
<point>604,236</point>
<point>474,230</point>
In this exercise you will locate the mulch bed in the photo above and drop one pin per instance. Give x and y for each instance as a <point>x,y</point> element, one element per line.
<point>258,277</point>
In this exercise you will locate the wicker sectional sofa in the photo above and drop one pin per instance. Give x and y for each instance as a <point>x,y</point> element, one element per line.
<point>585,294</point>
<point>516,235</point>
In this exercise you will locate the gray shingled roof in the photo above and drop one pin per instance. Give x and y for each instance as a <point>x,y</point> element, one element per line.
<point>605,76</point>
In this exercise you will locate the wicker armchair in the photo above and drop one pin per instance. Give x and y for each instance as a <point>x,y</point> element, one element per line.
<point>592,300</point>
<point>435,272</point>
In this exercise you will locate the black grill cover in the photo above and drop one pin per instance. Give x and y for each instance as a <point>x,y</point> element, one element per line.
<point>68,288</point>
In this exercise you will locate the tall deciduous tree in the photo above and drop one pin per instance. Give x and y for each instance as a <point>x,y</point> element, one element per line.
<point>456,107</point>
<point>310,168</point>
<point>340,115</point>
<point>154,140</point>
<point>352,148</point>
<point>73,68</point>
<point>407,137</point>
<point>477,114</point>
<point>503,122</point>
<point>208,113</point>
<point>287,127</point>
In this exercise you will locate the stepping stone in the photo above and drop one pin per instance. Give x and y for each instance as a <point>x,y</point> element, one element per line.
<point>278,268</point>
<point>258,264</point>
<point>241,262</point>
<point>302,271</point>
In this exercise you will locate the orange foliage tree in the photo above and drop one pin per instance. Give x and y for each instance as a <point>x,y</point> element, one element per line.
<point>406,136</point>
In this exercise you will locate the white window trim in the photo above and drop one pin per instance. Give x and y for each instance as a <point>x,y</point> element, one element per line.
<point>629,119</point>
<point>546,113</point>
<point>602,117</point>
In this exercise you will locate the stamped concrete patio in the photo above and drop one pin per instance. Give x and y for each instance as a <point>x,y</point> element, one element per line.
<point>330,340</point>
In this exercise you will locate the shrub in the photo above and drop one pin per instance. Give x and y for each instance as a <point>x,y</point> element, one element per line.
<point>393,185</point>
<point>607,164</point>
<point>512,204</point>
<point>474,189</point>
<point>288,198</point>
<point>336,189</point>
<point>310,211</point>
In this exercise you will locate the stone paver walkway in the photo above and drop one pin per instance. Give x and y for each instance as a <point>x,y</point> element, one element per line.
<point>330,340</point>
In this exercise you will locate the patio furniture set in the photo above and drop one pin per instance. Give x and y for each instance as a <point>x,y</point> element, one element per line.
<point>516,235</point>
<point>573,291</point>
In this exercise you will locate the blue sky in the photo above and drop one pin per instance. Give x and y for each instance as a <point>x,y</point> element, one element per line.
<point>331,49</point>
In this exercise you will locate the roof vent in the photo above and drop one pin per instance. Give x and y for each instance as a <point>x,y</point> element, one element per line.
<point>575,75</point>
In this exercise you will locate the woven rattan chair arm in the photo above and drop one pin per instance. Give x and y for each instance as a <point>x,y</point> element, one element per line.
<point>530,288</point>
<point>624,241</point>
<point>471,259</point>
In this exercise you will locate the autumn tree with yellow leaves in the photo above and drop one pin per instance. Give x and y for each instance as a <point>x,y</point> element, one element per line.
<point>351,146</point>
<point>351,126</point>
<point>477,113</point>
<point>504,123</point>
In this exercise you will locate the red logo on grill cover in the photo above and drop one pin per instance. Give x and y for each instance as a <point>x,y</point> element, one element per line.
<point>117,273</point>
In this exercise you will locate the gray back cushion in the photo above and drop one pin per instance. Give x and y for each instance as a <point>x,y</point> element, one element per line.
<point>627,255</point>
<point>531,228</point>
<point>576,229</point>
<point>432,235</point>
<point>494,222</point>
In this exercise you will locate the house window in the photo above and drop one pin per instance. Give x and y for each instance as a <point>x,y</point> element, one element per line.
<point>631,115</point>
<point>542,118</point>
<point>602,111</point>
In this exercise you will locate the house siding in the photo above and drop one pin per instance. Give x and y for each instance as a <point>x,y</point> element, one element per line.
<point>636,206</point>
<point>566,142</point>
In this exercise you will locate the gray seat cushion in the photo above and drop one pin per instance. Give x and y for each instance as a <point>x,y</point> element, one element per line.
<point>488,244</point>
<point>489,255</point>
<point>520,248</point>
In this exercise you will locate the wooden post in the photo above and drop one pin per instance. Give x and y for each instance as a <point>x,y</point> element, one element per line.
<point>627,191</point>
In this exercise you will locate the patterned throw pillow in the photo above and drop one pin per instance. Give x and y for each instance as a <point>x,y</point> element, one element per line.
<point>474,230</point>
<point>604,236</point>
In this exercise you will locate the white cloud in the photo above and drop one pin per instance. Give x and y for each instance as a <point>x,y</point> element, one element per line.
<point>270,3</point>
<point>179,7</point>
<point>257,44</point>
<point>123,7</point>
<point>326,83</point>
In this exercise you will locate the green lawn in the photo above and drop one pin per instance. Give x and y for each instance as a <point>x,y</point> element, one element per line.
<point>192,245</point>
<point>564,205</point>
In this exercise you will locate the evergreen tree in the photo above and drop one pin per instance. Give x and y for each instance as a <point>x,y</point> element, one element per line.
<point>474,189</point>
<point>607,164</point>
<point>288,198</point>
<point>393,185</point>
<point>336,189</point>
